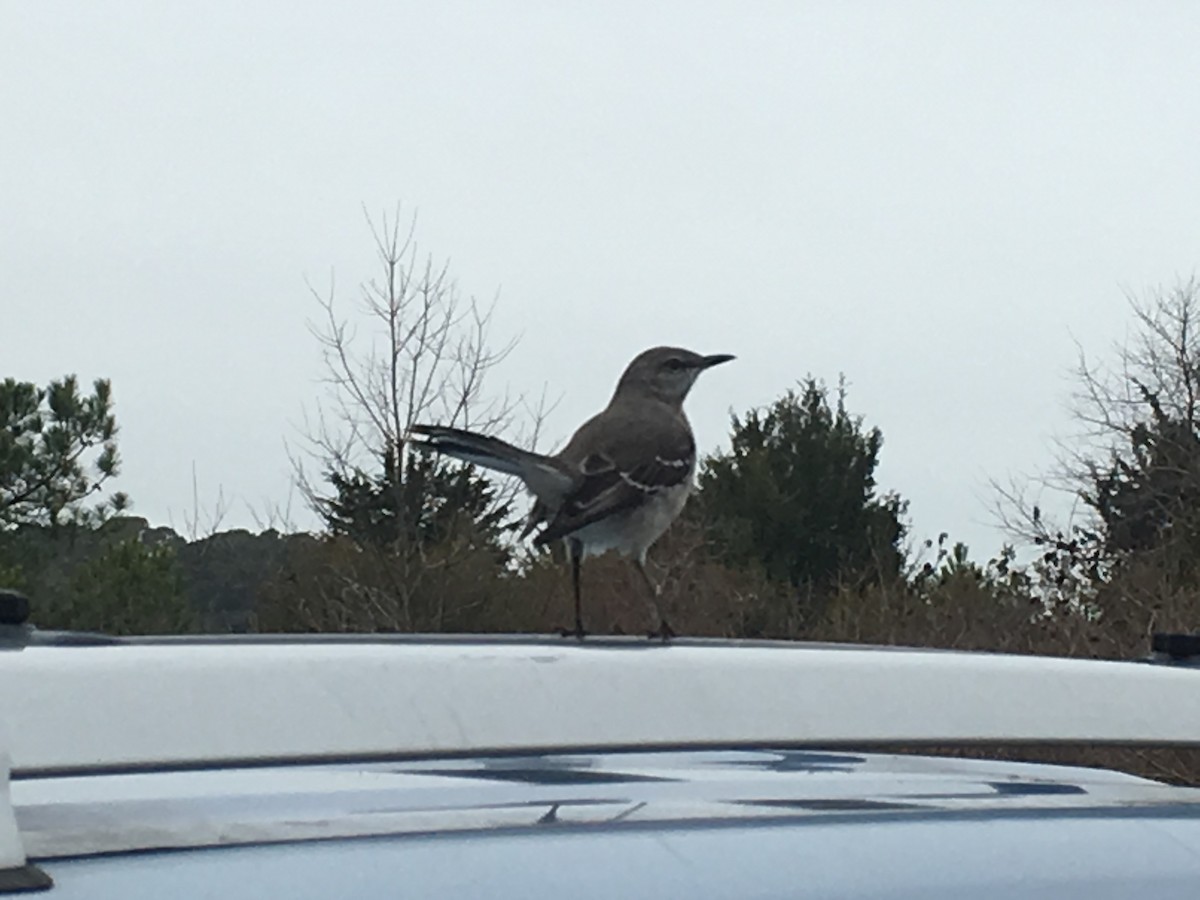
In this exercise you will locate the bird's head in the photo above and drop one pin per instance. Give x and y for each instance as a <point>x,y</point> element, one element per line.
<point>667,373</point>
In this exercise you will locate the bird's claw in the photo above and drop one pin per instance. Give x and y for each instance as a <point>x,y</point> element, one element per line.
<point>664,632</point>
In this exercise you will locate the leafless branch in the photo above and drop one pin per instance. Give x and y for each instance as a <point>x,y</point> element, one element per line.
<point>413,348</point>
<point>1147,388</point>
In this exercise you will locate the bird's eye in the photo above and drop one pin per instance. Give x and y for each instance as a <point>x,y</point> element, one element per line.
<point>674,364</point>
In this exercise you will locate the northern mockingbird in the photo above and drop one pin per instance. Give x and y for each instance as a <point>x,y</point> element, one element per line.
<point>621,480</point>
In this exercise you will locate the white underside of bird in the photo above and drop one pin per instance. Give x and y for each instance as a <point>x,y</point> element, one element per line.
<point>631,533</point>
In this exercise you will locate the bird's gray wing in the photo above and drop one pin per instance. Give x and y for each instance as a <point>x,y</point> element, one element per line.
<point>612,485</point>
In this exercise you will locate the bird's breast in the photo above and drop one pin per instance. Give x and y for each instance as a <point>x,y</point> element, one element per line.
<point>631,533</point>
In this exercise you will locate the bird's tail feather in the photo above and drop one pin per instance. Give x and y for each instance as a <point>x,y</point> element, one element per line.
<point>540,473</point>
<point>489,452</point>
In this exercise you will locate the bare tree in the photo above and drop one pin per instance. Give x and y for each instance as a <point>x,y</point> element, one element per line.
<point>425,357</point>
<point>200,522</point>
<point>1155,373</point>
<point>417,350</point>
<point>1135,456</point>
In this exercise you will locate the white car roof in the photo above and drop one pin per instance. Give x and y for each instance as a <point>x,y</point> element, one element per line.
<point>177,703</point>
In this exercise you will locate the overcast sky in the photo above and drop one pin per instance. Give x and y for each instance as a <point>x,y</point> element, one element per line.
<point>936,199</point>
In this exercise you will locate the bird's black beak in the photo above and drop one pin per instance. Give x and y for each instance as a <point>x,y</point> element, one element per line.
<point>715,360</point>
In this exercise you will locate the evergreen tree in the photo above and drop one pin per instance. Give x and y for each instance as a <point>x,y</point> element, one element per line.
<point>416,500</point>
<point>796,493</point>
<point>57,448</point>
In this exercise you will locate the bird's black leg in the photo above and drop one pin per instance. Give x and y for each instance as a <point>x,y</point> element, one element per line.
<point>576,549</point>
<point>575,552</point>
<point>664,630</point>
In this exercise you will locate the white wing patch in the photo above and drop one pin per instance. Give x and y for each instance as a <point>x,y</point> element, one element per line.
<point>634,483</point>
<point>684,463</point>
<point>671,479</point>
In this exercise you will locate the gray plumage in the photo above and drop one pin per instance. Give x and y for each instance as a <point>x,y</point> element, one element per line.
<point>624,476</point>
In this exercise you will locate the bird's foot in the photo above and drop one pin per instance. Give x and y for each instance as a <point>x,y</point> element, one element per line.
<point>664,632</point>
